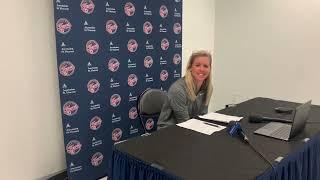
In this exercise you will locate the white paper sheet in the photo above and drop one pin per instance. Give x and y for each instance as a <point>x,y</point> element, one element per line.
<point>220,117</point>
<point>201,126</point>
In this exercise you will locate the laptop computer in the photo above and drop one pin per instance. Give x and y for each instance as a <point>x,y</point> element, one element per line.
<point>286,131</point>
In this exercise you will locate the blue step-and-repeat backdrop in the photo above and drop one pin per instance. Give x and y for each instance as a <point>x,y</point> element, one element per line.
<point>108,52</point>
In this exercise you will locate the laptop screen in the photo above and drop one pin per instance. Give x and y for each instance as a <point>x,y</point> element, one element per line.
<point>300,118</point>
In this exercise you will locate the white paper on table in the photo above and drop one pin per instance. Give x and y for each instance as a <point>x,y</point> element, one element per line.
<point>201,126</point>
<point>220,117</point>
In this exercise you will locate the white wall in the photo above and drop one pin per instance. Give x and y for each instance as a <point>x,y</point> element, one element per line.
<point>267,48</point>
<point>31,137</point>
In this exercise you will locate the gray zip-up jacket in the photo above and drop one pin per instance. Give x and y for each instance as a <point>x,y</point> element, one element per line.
<point>178,108</point>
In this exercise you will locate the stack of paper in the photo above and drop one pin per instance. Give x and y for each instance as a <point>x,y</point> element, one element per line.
<point>220,117</point>
<point>201,126</point>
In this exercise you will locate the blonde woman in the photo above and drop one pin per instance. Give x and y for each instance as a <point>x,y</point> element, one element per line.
<point>190,95</point>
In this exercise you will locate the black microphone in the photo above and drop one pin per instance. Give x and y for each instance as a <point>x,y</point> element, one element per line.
<point>234,129</point>
<point>259,119</point>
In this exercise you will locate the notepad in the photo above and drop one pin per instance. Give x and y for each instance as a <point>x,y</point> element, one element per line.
<point>220,117</point>
<point>201,126</point>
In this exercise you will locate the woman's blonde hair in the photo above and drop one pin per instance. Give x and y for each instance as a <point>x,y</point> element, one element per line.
<point>191,86</point>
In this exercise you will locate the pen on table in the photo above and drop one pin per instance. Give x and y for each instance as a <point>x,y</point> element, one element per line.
<point>210,124</point>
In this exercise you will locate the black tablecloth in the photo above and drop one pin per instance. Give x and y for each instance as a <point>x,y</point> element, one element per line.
<point>183,153</point>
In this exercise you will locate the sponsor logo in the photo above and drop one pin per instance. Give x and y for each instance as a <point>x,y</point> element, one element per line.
<point>92,68</point>
<point>70,108</point>
<point>132,80</point>
<point>61,6</point>
<point>115,100</point>
<point>113,64</point>
<point>88,28</point>
<point>94,106</point>
<point>111,27</point>
<point>148,79</point>
<point>148,61</point>
<point>176,13</point>
<point>109,9</point>
<point>115,118</point>
<point>87,6</point>
<point>146,12</point>
<point>96,159</point>
<point>63,26</point>
<point>147,27</point>
<point>116,134</point>
<point>66,68</point>
<point>93,86</point>
<point>177,28</point>
<point>162,61</point>
<point>132,45</point>
<point>176,74</point>
<point>113,47</point>
<point>113,83</point>
<point>92,47</point>
<point>129,9</point>
<point>70,130</point>
<point>176,59</point>
<point>133,113</point>
<point>164,75</point>
<point>164,44</point>
<point>95,123</point>
<point>163,11</point>
<point>73,147</point>
<point>68,90</point>
<point>149,124</point>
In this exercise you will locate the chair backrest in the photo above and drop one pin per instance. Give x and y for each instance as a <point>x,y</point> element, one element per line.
<point>150,103</point>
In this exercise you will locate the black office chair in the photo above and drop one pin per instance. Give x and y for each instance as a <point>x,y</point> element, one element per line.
<point>150,103</point>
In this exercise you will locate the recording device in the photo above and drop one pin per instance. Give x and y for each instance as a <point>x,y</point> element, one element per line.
<point>283,110</point>
<point>234,129</point>
<point>259,119</point>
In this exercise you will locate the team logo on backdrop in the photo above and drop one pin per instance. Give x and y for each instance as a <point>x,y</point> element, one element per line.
<point>96,159</point>
<point>87,6</point>
<point>133,113</point>
<point>149,124</point>
<point>115,100</point>
<point>148,61</point>
<point>73,147</point>
<point>164,75</point>
<point>132,45</point>
<point>132,80</point>
<point>147,27</point>
<point>177,59</point>
<point>92,47</point>
<point>111,27</point>
<point>63,26</point>
<point>116,134</point>
<point>66,68</point>
<point>129,9</point>
<point>164,44</point>
<point>113,65</point>
<point>93,86</point>
<point>95,123</point>
<point>163,11</point>
<point>177,28</point>
<point>70,108</point>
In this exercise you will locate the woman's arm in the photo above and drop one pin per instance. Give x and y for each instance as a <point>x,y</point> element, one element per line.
<point>178,102</point>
